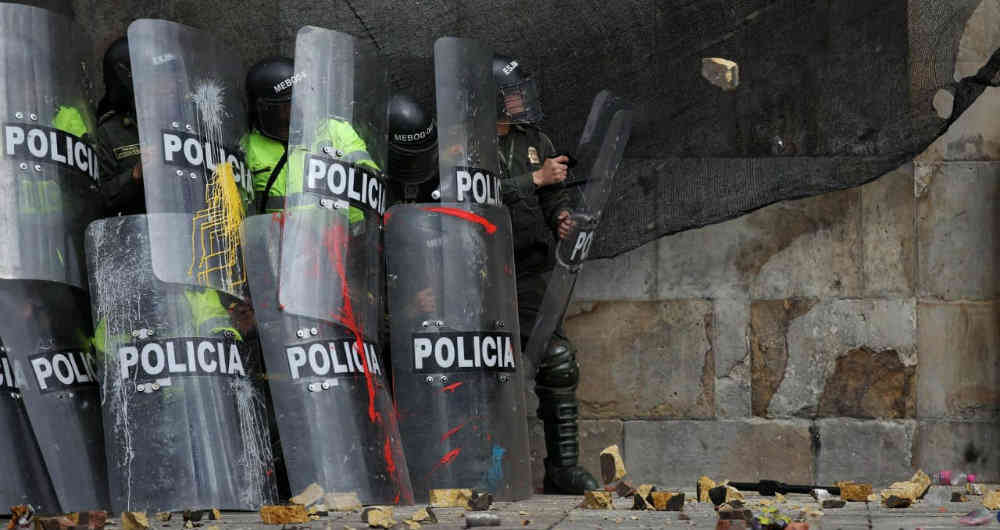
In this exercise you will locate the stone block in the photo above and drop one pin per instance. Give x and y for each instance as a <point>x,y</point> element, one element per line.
<point>630,276</point>
<point>959,373</point>
<point>957,241</point>
<point>732,360</point>
<point>888,235</point>
<point>962,447</point>
<point>833,357</point>
<point>875,452</point>
<point>645,359</point>
<point>810,248</point>
<point>807,247</point>
<point>674,454</point>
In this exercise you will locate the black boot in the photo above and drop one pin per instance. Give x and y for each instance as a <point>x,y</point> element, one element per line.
<point>555,385</point>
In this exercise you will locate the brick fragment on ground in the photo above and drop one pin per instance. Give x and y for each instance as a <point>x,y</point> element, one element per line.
<point>450,498</point>
<point>992,500</point>
<point>704,485</point>
<point>666,501</point>
<point>612,465</point>
<point>378,516</point>
<point>312,494</point>
<point>833,503</point>
<point>853,491</point>
<point>480,501</point>
<point>895,501</point>
<point>135,521</point>
<point>912,489</point>
<point>425,515</point>
<point>597,500</point>
<point>295,513</point>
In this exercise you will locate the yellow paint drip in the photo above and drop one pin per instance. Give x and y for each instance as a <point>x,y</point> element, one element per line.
<point>216,230</point>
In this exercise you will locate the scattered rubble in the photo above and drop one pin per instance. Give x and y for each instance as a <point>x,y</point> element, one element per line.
<point>956,496</point>
<point>597,500</point>
<point>612,465</point>
<point>135,521</point>
<point>973,489</point>
<point>895,501</point>
<point>295,513</point>
<point>832,503</point>
<point>480,501</point>
<point>164,516</point>
<point>665,501</point>
<point>853,491</point>
<point>427,516</point>
<point>992,500</point>
<point>450,498</point>
<point>309,496</point>
<point>378,516</point>
<point>20,516</point>
<point>938,495</point>
<point>911,490</point>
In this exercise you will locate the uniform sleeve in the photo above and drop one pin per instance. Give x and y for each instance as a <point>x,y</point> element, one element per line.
<point>553,198</point>
<point>118,188</point>
<point>517,187</point>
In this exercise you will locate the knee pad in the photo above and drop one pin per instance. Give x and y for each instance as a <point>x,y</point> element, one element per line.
<point>558,368</point>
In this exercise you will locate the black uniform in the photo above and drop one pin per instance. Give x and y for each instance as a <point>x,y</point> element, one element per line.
<point>118,137</point>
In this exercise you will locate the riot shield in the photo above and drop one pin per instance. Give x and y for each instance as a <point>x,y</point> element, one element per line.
<point>601,147</point>
<point>336,430</point>
<point>185,426</point>
<point>337,425</point>
<point>456,359</point>
<point>48,177</point>
<point>466,111</point>
<point>191,119</point>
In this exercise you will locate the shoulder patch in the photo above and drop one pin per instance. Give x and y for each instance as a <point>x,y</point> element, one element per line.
<point>533,155</point>
<point>126,151</point>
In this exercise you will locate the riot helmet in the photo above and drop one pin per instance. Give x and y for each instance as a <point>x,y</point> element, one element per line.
<point>518,99</point>
<point>117,78</point>
<point>269,92</point>
<point>412,141</point>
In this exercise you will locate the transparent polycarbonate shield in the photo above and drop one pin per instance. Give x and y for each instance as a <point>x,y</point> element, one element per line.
<point>331,265</point>
<point>466,112</point>
<point>599,153</point>
<point>457,368</point>
<point>191,118</point>
<point>185,426</point>
<point>26,479</point>
<point>335,418</point>
<point>49,169</point>
<point>48,350</point>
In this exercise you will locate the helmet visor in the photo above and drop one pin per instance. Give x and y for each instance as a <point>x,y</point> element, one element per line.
<point>273,117</point>
<point>520,103</point>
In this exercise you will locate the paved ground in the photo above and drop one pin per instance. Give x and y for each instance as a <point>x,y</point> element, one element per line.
<point>561,512</point>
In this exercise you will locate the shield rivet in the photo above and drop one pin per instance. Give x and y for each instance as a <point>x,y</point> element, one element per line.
<point>180,173</point>
<point>436,194</point>
<point>19,115</point>
<point>156,386</point>
<point>439,323</point>
<point>339,153</point>
<point>314,332</point>
<point>444,379</point>
<point>175,125</point>
<point>194,175</point>
<point>500,324</point>
<point>315,387</point>
<point>140,388</point>
<point>326,149</point>
<point>188,127</point>
<point>326,385</point>
<point>38,167</point>
<point>301,333</point>
<point>425,323</point>
<point>33,116</point>
<point>429,379</point>
<point>24,165</point>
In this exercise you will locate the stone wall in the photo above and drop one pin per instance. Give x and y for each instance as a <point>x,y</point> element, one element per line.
<point>852,335</point>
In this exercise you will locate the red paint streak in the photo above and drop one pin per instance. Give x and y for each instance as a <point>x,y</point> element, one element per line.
<point>450,456</point>
<point>386,218</point>
<point>396,500</point>
<point>334,240</point>
<point>489,437</point>
<point>390,464</point>
<point>451,388</point>
<point>451,432</point>
<point>278,217</point>
<point>468,216</point>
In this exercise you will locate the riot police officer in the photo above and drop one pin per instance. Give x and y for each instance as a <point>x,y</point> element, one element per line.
<point>269,93</point>
<point>533,191</point>
<point>121,179</point>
